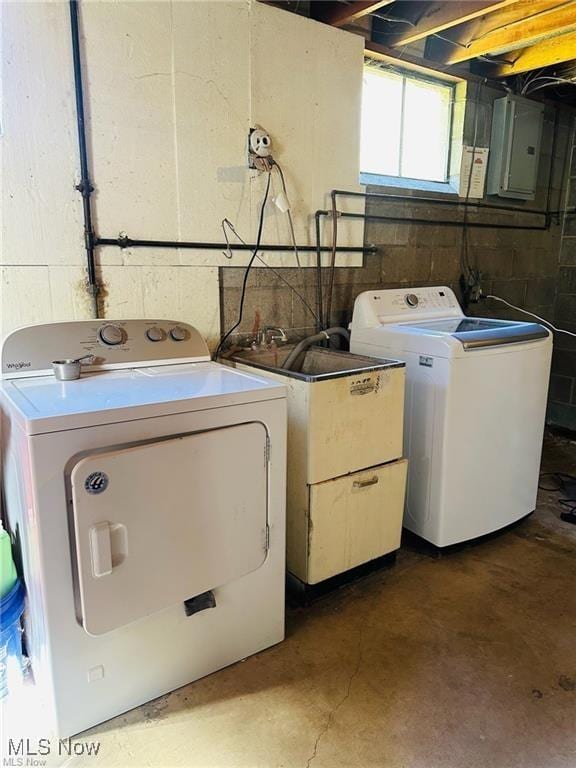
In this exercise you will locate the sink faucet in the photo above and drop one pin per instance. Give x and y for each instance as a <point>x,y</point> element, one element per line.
<point>272,333</point>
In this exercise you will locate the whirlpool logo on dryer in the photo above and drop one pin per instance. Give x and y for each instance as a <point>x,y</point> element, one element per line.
<point>17,366</point>
<point>96,482</point>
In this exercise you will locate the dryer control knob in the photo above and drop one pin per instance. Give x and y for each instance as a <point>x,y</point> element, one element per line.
<point>155,334</point>
<point>111,335</point>
<point>178,333</point>
<point>411,299</point>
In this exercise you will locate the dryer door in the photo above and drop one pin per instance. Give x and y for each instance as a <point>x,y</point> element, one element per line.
<point>158,523</point>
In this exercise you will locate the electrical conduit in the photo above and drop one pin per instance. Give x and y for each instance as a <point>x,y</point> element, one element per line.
<point>85,186</point>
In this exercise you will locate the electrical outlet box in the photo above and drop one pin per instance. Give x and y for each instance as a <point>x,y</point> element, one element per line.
<point>259,148</point>
<point>515,147</point>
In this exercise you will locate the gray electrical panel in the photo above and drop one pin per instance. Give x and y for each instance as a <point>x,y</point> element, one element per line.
<point>515,147</point>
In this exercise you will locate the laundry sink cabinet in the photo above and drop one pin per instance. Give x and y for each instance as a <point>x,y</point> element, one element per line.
<point>346,476</point>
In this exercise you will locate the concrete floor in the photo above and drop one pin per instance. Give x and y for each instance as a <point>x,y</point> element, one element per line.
<point>465,661</point>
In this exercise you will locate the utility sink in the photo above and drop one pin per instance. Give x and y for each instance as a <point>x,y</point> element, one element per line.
<point>314,364</point>
<point>345,411</point>
<point>346,477</point>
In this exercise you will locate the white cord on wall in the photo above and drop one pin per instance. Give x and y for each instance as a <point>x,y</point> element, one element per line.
<point>290,220</point>
<point>525,312</point>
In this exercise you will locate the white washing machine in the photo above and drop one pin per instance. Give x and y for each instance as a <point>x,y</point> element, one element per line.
<point>476,393</point>
<point>147,503</point>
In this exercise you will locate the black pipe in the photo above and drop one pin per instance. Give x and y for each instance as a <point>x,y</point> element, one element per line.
<point>332,269</point>
<point>128,242</point>
<point>552,159</point>
<point>547,214</point>
<point>407,220</point>
<point>438,201</point>
<point>85,186</point>
<point>319,299</point>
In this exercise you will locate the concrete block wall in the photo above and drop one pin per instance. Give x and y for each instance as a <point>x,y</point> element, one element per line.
<point>562,406</point>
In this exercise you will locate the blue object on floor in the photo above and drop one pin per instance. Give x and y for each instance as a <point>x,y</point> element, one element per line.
<point>11,609</point>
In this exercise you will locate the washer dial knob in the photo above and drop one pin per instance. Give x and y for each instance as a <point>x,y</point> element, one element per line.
<point>111,335</point>
<point>155,334</point>
<point>178,333</point>
<point>411,299</point>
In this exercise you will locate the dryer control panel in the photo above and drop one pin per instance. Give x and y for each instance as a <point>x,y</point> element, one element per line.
<point>399,305</point>
<point>30,351</point>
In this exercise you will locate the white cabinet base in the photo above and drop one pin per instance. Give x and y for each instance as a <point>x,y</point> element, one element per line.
<point>346,479</point>
<point>352,519</point>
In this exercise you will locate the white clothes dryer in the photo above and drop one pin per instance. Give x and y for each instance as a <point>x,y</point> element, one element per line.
<point>147,503</point>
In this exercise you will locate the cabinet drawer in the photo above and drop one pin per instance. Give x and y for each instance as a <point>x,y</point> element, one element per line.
<point>354,519</point>
<point>354,422</point>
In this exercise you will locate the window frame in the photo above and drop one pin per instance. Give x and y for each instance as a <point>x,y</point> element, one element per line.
<point>371,63</point>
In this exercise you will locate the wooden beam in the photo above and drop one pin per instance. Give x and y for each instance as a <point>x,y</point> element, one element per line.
<point>554,51</point>
<point>415,64</point>
<point>438,16</point>
<point>339,14</point>
<point>510,15</point>
<point>523,25</point>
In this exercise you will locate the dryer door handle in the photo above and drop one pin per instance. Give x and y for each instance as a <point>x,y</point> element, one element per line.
<point>101,549</point>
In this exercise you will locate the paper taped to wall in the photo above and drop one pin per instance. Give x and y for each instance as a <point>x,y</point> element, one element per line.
<point>473,186</point>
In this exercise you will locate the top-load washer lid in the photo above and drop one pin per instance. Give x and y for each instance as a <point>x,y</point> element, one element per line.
<point>479,332</point>
<point>47,405</point>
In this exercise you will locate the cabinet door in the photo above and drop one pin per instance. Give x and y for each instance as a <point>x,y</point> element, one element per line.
<point>354,519</point>
<point>526,130</point>
<point>159,523</point>
<point>354,422</point>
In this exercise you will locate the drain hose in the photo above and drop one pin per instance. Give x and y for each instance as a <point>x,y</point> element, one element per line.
<point>309,341</point>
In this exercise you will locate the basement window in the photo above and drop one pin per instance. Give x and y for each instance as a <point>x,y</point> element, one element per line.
<point>406,126</point>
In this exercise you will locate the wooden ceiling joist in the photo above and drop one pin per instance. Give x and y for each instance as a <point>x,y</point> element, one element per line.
<point>500,38</point>
<point>520,26</point>
<point>340,14</point>
<point>556,50</point>
<point>415,64</point>
<point>436,17</point>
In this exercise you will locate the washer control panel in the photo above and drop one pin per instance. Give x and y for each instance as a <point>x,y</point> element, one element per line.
<point>402,305</point>
<point>412,301</point>
<point>112,343</point>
